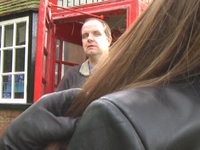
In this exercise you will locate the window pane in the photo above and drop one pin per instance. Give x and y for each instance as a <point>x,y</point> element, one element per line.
<point>21,32</point>
<point>58,49</point>
<point>19,86</point>
<point>73,53</point>
<point>44,67</point>
<point>7,86</point>
<point>56,74</point>
<point>7,61</point>
<point>8,38</point>
<point>65,68</point>
<point>20,59</point>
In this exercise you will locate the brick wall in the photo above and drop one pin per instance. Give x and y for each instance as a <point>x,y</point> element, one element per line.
<point>6,116</point>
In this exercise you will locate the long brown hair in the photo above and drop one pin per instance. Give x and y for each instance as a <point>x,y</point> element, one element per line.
<point>161,47</point>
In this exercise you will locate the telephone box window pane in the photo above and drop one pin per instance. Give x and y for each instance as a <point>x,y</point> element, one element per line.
<point>56,74</point>
<point>7,61</point>
<point>58,44</point>
<point>8,38</point>
<point>21,33</point>
<point>7,81</point>
<point>73,53</point>
<point>44,67</point>
<point>20,59</point>
<point>19,86</point>
<point>65,68</point>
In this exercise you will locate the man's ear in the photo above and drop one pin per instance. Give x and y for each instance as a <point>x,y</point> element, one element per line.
<point>110,40</point>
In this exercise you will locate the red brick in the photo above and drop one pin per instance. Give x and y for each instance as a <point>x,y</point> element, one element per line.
<point>6,116</point>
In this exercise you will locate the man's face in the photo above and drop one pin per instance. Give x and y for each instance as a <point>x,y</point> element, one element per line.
<point>94,40</point>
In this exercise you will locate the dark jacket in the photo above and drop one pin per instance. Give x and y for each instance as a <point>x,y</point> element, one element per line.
<point>154,118</point>
<point>41,124</point>
<point>74,77</point>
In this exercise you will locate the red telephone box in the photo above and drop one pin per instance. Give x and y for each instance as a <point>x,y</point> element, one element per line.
<point>59,27</point>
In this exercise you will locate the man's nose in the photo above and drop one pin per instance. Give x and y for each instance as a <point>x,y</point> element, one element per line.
<point>90,37</point>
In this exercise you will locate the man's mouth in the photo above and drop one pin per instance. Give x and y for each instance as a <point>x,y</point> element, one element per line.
<point>89,46</point>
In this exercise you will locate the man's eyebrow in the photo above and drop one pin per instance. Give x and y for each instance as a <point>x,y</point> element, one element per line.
<point>84,33</point>
<point>95,31</point>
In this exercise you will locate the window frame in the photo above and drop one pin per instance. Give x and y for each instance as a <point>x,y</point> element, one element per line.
<point>14,22</point>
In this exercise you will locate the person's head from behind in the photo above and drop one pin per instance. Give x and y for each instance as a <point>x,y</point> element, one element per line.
<point>161,48</point>
<point>96,37</point>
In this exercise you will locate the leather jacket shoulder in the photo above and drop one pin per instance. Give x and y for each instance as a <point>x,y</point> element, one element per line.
<point>152,118</point>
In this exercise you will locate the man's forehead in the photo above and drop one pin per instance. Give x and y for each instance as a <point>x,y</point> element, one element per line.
<point>93,25</point>
<point>92,30</point>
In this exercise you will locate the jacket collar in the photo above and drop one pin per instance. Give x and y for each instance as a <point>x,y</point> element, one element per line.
<point>84,69</point>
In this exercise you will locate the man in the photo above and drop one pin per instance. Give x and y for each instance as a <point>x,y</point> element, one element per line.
<point>96,39</point>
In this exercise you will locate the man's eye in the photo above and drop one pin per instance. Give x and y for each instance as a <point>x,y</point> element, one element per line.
<point>84,36</point>
<point>97,33</point>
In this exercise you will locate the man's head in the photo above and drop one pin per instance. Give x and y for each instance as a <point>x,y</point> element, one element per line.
<point>96,37</point>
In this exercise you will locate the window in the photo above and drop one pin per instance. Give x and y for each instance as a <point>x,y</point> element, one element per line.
<point>72,3</point>
<point>13,60</point>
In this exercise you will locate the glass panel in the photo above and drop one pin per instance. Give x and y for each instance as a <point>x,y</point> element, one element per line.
<point>56,74</point>
<point>60,2</point>
<point>90,1</point>
<point>64,68</point>
<point>43,87</point>
<point>7,84</point>
<point>21,32</point>
<point>44,67</point>
<point>19,86</point>
<point>73,53</point>
<point>8,37</point>
<point>71,3</point>
<point>20,59</point>
<point>57,48</point>
<point>7,60</point>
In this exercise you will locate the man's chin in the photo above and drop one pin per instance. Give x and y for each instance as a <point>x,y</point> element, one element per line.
<point>92,53</point>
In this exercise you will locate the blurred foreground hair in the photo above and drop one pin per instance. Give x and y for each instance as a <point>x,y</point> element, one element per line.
<point>161,47</point>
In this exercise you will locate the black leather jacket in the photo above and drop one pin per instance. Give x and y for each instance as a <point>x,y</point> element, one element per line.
<point>41,124</point>
<point>157,118</point>
<point>154,118</point>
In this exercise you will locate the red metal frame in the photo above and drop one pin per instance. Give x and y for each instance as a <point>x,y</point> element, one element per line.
<point>39,49</point>
<point>50,62</point>
<point>98,8</point>
<point>43,74</point>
